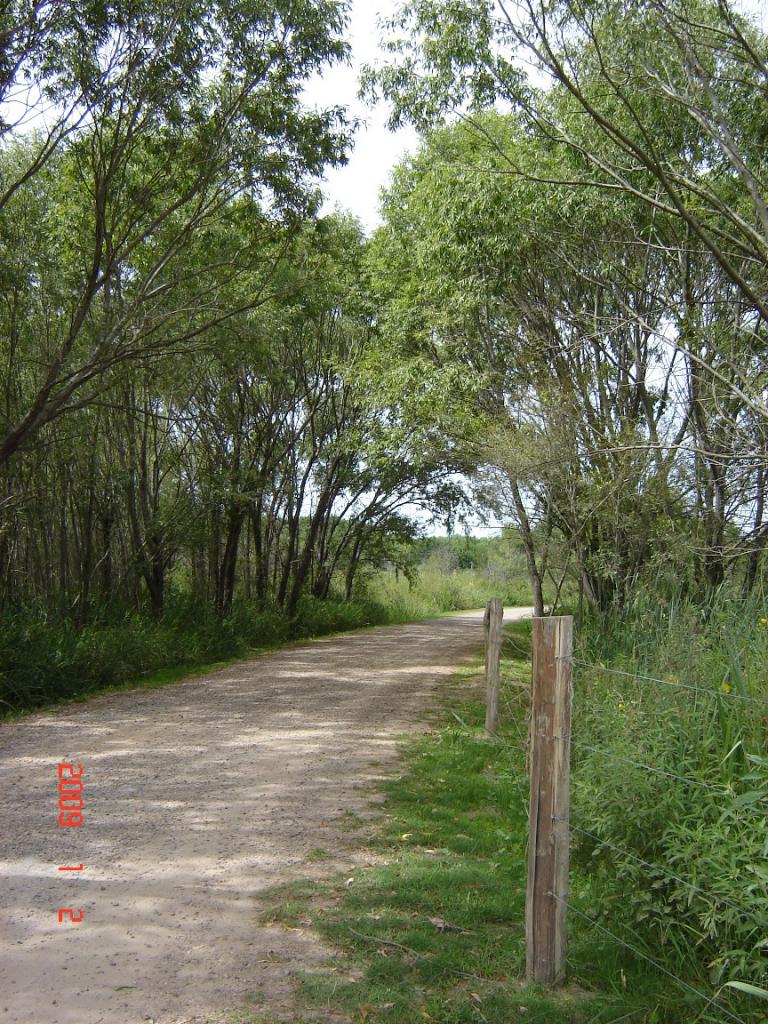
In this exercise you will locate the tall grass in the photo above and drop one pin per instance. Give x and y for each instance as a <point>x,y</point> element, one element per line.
<point>44,660</point>
<point>436,589</point>
<point>680,836</point>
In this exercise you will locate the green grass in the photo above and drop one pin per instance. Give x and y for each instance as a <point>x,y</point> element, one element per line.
<point>435,591</point>
<point>318,854</point>
<point>47,660</point>
<point>436,932</point>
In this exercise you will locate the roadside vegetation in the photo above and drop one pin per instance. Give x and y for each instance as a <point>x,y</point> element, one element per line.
<point>436,930</point>
<point>227,421</point>
<point>671,783</point>
<point>48,658</point>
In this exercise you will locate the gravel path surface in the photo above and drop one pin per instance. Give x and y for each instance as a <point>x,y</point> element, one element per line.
<point>196,796</point>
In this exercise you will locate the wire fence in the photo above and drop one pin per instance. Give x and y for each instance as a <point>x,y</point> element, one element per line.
<point>659,869</point>
<point>713,901</point>
<point>703,691</point>
<point>685,779</point>
<point>709,1000</point>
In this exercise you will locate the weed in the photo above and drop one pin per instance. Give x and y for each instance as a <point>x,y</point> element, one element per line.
<point>436,929</point>
<point>318,854</point>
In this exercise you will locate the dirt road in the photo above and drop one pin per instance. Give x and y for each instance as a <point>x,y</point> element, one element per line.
<point>196,796</point>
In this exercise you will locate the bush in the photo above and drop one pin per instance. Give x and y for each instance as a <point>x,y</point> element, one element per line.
<point>318,618</point>
<point>682,850</point>
<point>45,659</point>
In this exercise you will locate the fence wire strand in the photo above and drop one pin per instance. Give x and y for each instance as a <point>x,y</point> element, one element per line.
<point>648,767</point>
<point>639,677</point>
<point>644,956</point>
<point>664,871</point>
<point>513,718</point>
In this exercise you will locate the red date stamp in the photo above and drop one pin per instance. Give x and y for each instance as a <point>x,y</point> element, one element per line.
<point>71,815</point>
<point>70,795</point>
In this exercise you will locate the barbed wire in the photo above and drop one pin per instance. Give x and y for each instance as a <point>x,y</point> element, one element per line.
<point>639,677</point>
<point>664,871</point>
<point>648,767</point>
<point>644,956</point>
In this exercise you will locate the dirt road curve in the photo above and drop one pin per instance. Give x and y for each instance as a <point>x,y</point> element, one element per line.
<point>196,796</point>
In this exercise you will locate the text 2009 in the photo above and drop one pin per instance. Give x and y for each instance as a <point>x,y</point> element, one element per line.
<point>70,796</point>
<point>70,816</point>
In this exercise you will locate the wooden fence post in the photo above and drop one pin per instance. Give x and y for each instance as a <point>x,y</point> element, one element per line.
<point>546,903</point>
<point>494,613</point>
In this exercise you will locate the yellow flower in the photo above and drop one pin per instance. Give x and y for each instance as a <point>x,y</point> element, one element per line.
<point>726,687</point>
<point>763,621</point>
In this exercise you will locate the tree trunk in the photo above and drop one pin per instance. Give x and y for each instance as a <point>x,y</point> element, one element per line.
<point>529,546</point>
<point>305,561</point>
<point>227,574</point>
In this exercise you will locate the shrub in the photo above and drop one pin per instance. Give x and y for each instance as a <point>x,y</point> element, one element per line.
<point>684,855</point>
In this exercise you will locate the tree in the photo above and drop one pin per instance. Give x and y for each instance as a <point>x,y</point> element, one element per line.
<point>654,236</point>
<point>672,89</point>
<point>149,147</point>
<point>558,303</point>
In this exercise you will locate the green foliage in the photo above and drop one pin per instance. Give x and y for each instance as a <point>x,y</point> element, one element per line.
<point>436,929</point>
<point>452,573</point>
<point>157,127</point>
<point>564,253</point>
<point>433,592</point>
<point>43,661</point>
<point>316,617</point>
<point>691,845</point>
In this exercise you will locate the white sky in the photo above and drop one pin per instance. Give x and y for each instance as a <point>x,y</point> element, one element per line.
<point>356,186</point>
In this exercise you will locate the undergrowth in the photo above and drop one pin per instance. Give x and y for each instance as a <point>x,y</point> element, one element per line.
<point>670,780</point>
<point>434,590</point>
<point>436,932</point>
<point>45,659</point>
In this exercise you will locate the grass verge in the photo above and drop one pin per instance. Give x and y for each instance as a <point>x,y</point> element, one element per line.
<point>47,661</point>
<point>435,932</point>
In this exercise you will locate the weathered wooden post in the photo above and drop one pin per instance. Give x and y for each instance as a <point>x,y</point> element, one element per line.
<point>546,904</point>
<point>494,613</point>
